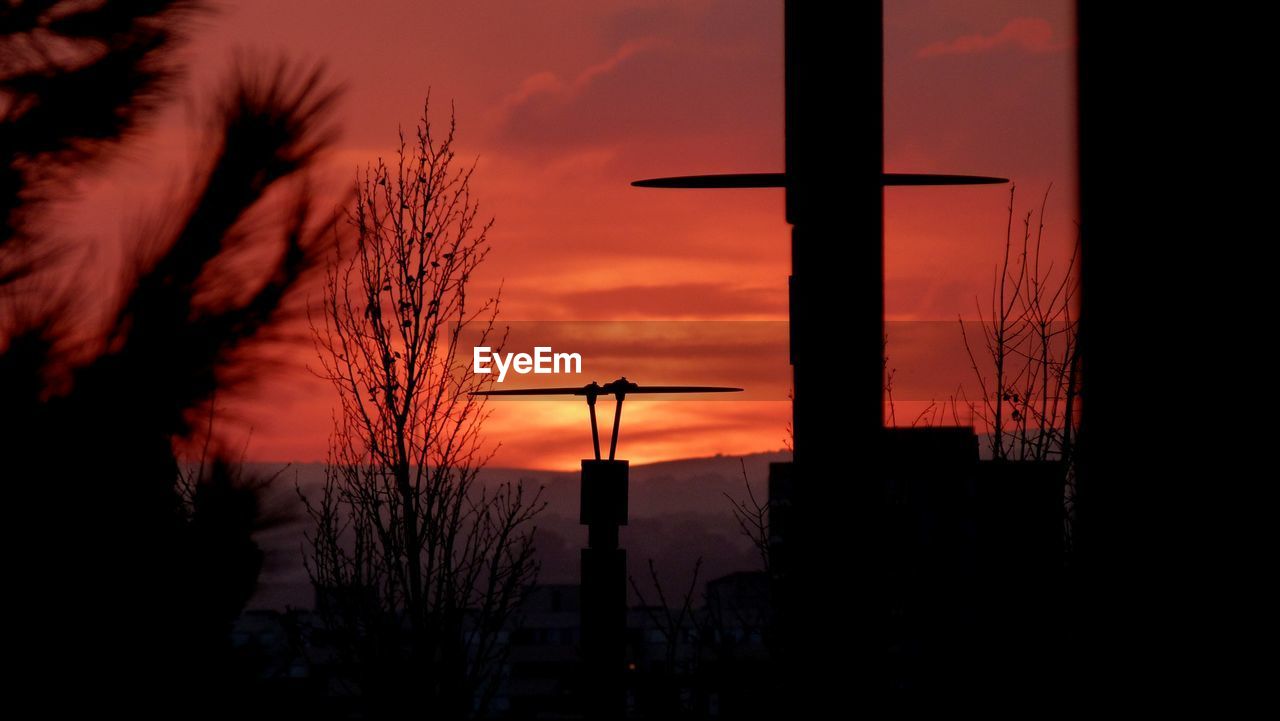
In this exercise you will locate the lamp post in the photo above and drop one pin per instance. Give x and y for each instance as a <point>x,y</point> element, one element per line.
<point>834,181</point>
<point>603,509</point>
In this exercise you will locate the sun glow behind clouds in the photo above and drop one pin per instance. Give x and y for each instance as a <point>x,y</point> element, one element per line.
<point>557,434</point>
<point>564,103</point>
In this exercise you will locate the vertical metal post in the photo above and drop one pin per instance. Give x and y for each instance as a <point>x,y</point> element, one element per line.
<point>617,421</point>
<point>604,589</point>
<point>835,204</point>
<point>595,431</point>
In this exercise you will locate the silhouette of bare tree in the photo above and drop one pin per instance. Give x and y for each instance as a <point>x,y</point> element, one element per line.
<point>418,568</point>
<point>1029,396</point>
<point>1026,360</point>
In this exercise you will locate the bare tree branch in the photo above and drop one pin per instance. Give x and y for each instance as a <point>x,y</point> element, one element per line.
<point>425,567</point>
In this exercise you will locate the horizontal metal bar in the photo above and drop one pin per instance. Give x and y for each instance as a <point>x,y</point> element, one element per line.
<point>779,180</point>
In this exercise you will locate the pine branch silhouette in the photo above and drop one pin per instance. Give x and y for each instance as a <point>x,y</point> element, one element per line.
<point>122,575</point>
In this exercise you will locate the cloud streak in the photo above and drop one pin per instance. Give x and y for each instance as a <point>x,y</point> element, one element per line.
<point>1029,35</point>
<point>548,88</point>
<point>703,74</point>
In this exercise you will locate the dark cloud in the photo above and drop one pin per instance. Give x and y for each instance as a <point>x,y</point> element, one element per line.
<point>672,74</point>
<point>1029,35</point>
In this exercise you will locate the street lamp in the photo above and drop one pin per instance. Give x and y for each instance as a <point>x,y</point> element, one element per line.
<point>603,509</point>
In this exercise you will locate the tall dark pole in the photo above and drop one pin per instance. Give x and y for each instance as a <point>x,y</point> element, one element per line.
<point>604,588</point>
<point>835,205</point>
<point>830,579</point>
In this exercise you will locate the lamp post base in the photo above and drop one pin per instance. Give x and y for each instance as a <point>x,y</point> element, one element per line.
<point>604,589</point>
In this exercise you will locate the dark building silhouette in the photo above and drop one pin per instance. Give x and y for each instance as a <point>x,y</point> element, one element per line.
<point>545,666</point>
<point>716,663</point>
<point>972,572</point>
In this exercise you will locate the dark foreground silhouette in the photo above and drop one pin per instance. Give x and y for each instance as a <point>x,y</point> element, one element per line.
<point>130,573</point>
<point>908,578</point>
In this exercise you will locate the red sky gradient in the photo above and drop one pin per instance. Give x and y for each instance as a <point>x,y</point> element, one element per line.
<point>566,102</point>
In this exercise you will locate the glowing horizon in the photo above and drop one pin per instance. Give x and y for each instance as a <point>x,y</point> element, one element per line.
<point>564,103</point>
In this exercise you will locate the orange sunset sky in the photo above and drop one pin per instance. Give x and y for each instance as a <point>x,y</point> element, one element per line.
<point>565,102</point>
